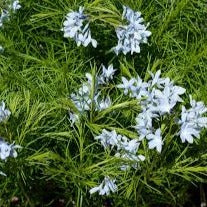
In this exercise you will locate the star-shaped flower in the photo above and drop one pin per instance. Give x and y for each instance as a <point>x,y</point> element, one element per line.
<point>155,140</point>
<point>106,187</point>
<point>76,26</point>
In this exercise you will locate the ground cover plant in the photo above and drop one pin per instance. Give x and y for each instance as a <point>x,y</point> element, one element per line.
<point>103,103</point>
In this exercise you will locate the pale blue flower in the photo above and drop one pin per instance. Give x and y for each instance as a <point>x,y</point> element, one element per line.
<point>103,103</point>
<point>131,146</point>
<point>76,26</point>
<point>192,121</point>
<point>132,35</point>
<point>125,149</point>
<point>144,123</point>
<point>188,131</point>
<point>140,90</point>
<point>82,99</point>
<point>158,81</point>
<point>127,85</point>
<point>155,140</point>
<point>107,74</point>
<point>131,15</point>
<point>157,97</point>
<point>7,150</point>
<point>15,5</point>
<point>108,138</point>
<point>107,186</point>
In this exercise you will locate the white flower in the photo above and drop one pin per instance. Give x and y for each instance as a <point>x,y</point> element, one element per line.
<point>155,140</point>
<point>108,138</point>
<point>130,36</point>
<point>157,97</point>
<point>144,123</point>
<point>131,146</point>
<point>106,187</point>
<point>140,89</point>
<point>168,98</point>
<point>155,78</point>
<point>82,99</point>
<point>103,104</point>
<point>192,121</point>
<point>128,86</point>
<point>4,113</point>
<point>188,132</point>
<point>131,16</point>
<point>7,150</point>
<point>90,78</point>
<point>107,74</point>
<point>158,81</point>
<point>76,26</point>
<point>125,148</point>
<point>198,106</point>
<point>15,5</point>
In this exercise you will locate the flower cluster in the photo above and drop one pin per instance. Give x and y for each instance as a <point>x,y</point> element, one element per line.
<point>76,26</point>
<point>125,149</point>
<point>132,35</point>
<point>192,121</point>
<point>13,7</point>
<point>83,98</point>
<point>158,97</point>
<point>108,185</point>
<point>4,113</point>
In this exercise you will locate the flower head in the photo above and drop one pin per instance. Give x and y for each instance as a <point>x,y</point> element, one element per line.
<point>107,74</point>
<point>76,26</point>
<point>132,35</point>
<point>106,187</point>
<point>155,140</point>
<point>192,121</point>
<point>127,85</point>
<point>7,150</point>
<point>125,149</point>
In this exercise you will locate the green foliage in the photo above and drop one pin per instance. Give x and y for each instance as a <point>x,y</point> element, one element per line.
<point>39,69</point>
